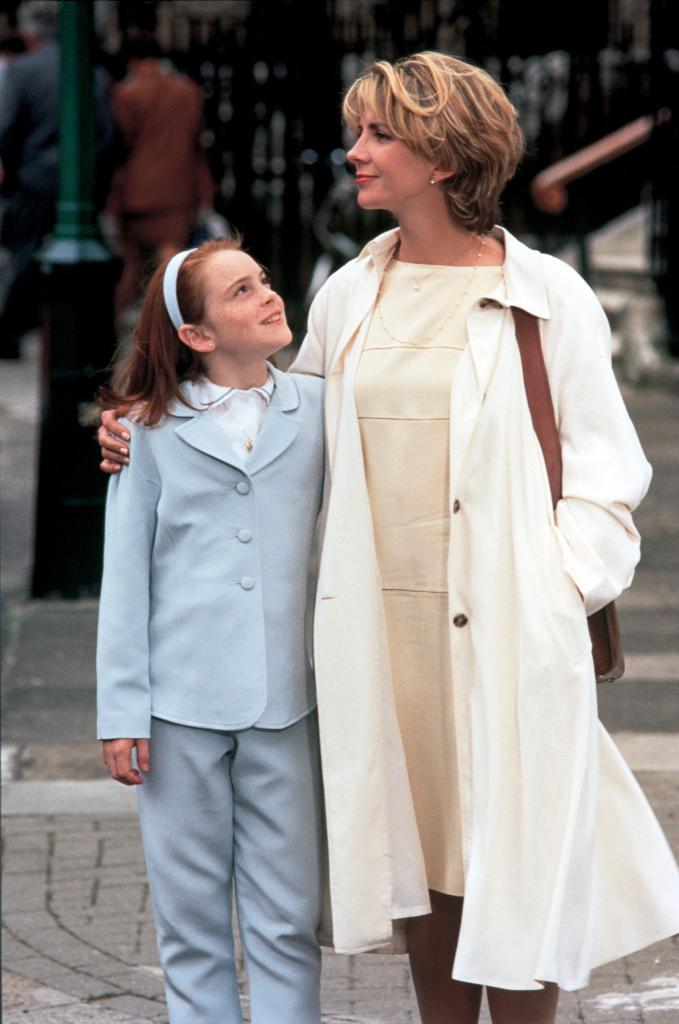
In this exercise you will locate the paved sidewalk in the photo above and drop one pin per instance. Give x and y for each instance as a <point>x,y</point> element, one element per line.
<point>79,944</point>
<point>78,938</point>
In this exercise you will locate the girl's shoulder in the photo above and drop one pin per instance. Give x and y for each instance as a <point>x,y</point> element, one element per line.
<point>136,424</point>
<point>310,391</point>
<point>149,439</point>
<point>307,385</point>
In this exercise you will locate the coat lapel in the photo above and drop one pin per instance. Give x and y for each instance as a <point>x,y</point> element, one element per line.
<point>345,353</point>
<point>490,332</point>
<point>280,427</point>
<point>204,434</point>
<point>362,304</point>
<point>376,255</point>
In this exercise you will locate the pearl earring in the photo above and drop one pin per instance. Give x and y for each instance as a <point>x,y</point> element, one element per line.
<point>432,180</point>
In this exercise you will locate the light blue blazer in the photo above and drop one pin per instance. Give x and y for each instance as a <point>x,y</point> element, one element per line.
<point>206,571</point>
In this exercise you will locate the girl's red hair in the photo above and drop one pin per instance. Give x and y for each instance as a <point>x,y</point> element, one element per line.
<point>148,376</point>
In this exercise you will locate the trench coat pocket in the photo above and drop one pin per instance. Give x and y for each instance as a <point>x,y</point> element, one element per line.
<point>564,604</point>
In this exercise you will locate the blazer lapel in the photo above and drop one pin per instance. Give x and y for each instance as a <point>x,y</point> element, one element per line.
<point>281,424</point>
<point>280,428</point>
<point>204,434</point>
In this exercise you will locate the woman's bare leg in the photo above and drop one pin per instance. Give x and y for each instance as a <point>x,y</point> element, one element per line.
<point>432,941</point>
<point>533,1007</point>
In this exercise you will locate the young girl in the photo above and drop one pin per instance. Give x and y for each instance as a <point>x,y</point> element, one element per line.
<point>203,674</point>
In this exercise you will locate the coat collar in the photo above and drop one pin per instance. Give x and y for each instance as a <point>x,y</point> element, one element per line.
<point>285,390</point>
<point>204,394</point>
<point>524,278</point>
<point>280,427</point>
<point>525,281</point>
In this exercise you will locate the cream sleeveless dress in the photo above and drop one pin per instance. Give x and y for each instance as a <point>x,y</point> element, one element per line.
<point>403,391</point>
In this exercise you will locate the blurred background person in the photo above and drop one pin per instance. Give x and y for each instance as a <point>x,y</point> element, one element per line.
<point>29,121</point>
<point>28,150</point>
<point>164,177</point>
<point>11,45</point>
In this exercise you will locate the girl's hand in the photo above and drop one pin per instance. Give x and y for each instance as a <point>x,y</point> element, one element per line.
<point>112,437</point>
<point>118,760</point>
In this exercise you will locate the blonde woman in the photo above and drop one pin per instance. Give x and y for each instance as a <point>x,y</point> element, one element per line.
<point>477,812</point>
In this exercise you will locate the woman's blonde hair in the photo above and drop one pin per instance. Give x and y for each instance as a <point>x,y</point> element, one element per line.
<point>451,113</point>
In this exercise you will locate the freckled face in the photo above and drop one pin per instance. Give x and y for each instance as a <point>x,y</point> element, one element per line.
<point>241,309</point>
<point>389,176</point>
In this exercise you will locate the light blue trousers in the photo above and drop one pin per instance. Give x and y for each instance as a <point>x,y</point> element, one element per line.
<point>241,810</point>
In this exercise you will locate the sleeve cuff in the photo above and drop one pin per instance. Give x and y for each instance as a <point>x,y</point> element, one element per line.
<point>582,563</point>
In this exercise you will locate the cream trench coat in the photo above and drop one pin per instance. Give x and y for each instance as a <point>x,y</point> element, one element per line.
<point>565,864</point>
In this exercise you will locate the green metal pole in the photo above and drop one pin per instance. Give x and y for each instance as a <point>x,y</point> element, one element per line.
<point>76,234</point>
<point>79,339</point>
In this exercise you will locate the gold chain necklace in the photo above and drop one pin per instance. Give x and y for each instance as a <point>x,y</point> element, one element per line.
<point>419,281</point>
<point>249,441</point>
<point>428,337</point>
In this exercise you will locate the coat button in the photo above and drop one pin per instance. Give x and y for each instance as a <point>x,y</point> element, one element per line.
<point>460,620</point>
<point>247,583</point>
<point>242,487</point>
<point>244,536</point>
<point>456,505</point>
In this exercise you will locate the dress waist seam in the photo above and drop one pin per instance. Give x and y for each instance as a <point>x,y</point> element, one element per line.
<point>409,419</point>
<point>412,590</point>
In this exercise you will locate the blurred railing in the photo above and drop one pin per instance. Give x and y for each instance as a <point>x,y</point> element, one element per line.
<point>549,187</point>
<point>273,76</point>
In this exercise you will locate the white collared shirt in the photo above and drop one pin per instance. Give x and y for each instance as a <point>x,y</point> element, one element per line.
<point>239,413</point>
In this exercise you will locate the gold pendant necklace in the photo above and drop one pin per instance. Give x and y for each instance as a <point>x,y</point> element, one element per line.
<point>439,327</point>
<point>419,281</point>
<point>249,442</point>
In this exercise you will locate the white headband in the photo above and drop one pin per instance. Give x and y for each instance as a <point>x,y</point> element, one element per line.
<point>170,287</point>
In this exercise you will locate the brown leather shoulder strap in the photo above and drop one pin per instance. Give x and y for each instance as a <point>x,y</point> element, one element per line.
<point>604,628</point>
<point>538,395</point>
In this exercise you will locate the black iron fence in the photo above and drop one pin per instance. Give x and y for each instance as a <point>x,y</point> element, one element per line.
<point>273,72</point>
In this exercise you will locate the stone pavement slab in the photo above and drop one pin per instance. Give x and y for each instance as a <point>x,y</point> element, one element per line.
<point>24,1001</point>
<point>79,943</point>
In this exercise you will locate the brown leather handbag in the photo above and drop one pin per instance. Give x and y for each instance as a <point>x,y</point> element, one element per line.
<point>604,628</point>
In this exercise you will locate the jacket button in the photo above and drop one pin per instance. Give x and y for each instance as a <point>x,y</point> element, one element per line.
<point>247,583</point>
<point>244,536</point>
<point>460,620</point>
<point>456,505</point>
<point>242,487</point>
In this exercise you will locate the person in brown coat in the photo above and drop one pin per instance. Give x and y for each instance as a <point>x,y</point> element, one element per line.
<point>157,190</point>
